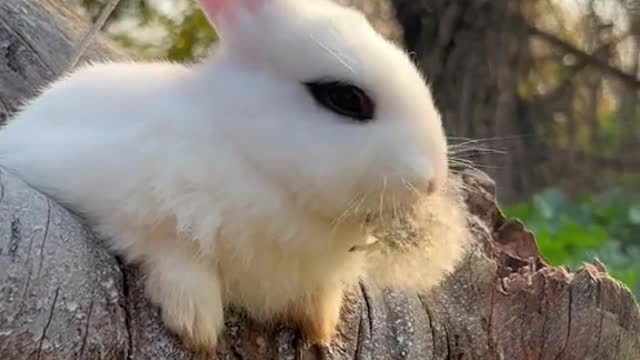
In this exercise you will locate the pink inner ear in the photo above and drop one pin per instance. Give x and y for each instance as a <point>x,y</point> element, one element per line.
<point>216,9</point>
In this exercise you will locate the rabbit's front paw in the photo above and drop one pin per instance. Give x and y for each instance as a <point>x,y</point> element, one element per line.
<point>318,316</point>
<point>190,302</point>
<point>194,319</point>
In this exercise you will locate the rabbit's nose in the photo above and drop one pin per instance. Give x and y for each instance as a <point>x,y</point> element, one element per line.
<point>432,187</point>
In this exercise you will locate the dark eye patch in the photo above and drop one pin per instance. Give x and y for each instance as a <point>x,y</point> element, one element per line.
<point>343,99</point>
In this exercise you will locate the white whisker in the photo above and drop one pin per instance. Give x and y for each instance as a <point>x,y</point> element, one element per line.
<point>410,187</point>
<point>333,54</point>
<point>348,212</point>
<point>396,212</point>
<point>384,188</point>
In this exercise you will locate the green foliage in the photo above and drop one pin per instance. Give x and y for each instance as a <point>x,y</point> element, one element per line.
<point>150,29</point>
<point>606,227</point>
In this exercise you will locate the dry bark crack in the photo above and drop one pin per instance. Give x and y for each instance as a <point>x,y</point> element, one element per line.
<point>48,323</point>
<point>127,312</point>
<point>45,236</point>
<point>86,331</point>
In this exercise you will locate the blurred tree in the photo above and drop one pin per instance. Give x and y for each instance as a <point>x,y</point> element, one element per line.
<point>472,53</point>
<point>537,77</point>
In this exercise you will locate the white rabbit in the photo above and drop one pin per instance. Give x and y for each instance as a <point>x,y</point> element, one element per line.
<point>244,179</point>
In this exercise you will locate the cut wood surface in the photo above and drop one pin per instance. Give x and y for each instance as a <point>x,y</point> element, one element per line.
<point>64,296</point>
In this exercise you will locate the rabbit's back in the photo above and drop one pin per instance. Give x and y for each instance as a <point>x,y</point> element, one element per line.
<point>112,140</point>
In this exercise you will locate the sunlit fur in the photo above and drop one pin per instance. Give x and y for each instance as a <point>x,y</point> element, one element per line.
<point>422,247</point>
<point>225,179</point>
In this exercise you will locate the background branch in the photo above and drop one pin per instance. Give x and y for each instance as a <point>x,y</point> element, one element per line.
<point>628,79</point>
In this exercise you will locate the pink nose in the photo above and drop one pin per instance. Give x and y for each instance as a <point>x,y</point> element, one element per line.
<point>432,187</point>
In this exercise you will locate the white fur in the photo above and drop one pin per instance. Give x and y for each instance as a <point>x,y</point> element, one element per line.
<point>225,178</point>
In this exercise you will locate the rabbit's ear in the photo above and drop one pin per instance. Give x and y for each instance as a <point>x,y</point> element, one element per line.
<point>225,14</point>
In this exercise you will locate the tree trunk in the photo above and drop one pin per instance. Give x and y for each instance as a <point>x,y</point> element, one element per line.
<point>472,52</point>
<point>63,296</point>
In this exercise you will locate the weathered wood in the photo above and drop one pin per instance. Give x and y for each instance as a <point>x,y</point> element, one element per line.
<point>63,296</point>
<point>37,41</point>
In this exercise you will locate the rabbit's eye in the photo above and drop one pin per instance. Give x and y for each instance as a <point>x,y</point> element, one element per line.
<point>343,99</point>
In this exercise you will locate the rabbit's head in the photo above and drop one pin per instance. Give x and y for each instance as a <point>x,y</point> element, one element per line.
<point>336,115</point>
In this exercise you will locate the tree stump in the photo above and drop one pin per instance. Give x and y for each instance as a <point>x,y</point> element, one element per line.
<point>64,296</point>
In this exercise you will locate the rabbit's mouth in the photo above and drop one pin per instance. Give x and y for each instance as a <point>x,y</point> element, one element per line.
<point>412,224</point>
<point>392,231</point>
<point>388,214</point>
<point>380,205</point>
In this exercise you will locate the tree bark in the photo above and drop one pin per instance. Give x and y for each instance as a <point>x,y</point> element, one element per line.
<point>64,296</point>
